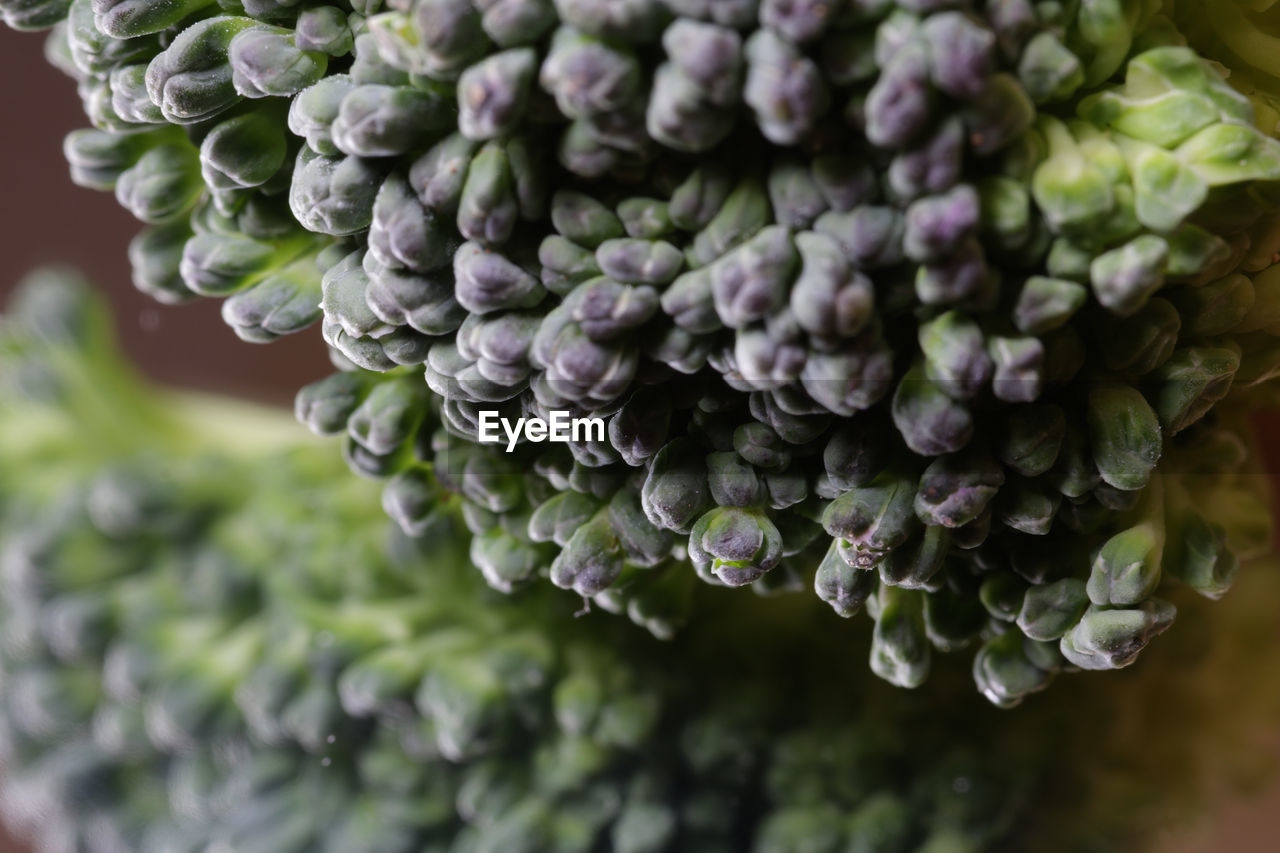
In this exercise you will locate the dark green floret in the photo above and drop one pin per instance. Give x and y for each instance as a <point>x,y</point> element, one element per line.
<point>957,293</point>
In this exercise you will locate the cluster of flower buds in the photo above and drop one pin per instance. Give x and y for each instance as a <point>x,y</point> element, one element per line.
<point>913,302</point>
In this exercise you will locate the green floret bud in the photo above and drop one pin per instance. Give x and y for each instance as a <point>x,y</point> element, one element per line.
<point>874,519</point>
<point>437,38</point>
<point>625,20</point>
<point>129,98</point>
<point>487,208</point>
<point>1124,436</point>
<point>334,195</point>
<point>741,214</point>
<point>493,94</point>
<point>266,61</point>
<point>591,560</point>
<point>389,416</point>
<point>93,52</point>
<point>1198,555</point>
<point>675,491</point>
<point>1002,594</point>
<point>1070,191</point>
<point>750,282</point>
<point>1215,308</point>
<point>375,120</point>
<point>324,29</point>
<point>123,19</point>
<point>689,303</point>
<point>155,258</point>
<point>937,225</point>
<point>218,265</point>
<point>1191,382</point>
<point>558,518</point>
<point>1165,190</point>
<point>565,265</point>
<point>1127,569</point>
<point>761,446</point>
<point>191,79</point>
<point>589,77</point>
<point>955,354</point>
<point>1045,304</point>
<point>796,198</point>
<point>313,111</point>
<point>934,166</point>
<point>643,543</point>
<point>733,481</point>
<point>930,422</point>
<point>1050,610</point>
<point>505,562</point>
<point>34,14</point>
<point>900,103</point>
<point>283,303</point>
<point>999,116</point>
<point>961,54</point>
<point>1019,372</point>
<point>1003,672</point>
<point>900,650</point>
<point>1028,507</point>
<point>638,261</point>
<point>514,22</point>
<point>326,405</point>
<point>783,87</point>
<point>916,565</point>
<point>583,220</point>
<point>699,197</point>
<point>1140,343</point>
<point>856,452</point>
<point>245,151</point>
<point>1048,70</point>
<point>162,185</point>
<point>955,489</point>
<point>690,105</point>
<point>405,235</point>
<point>961,277</point>
<point>1231,153</point>
<point>736,545</point>
<point>645,218</point>
<point>846,588</point>
<point>98,158</point>
<point>1112,639</point>
<point>1006,216</point>
<point>1124,278</point>
<point>343,287</point>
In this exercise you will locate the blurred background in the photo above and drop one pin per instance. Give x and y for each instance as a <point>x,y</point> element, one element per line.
<point>46,219</point>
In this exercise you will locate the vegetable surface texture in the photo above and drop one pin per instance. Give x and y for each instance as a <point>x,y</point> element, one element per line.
<point>214,641</point>
<point>945,310</point>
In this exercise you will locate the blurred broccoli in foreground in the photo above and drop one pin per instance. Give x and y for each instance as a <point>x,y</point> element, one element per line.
<point>212,641</point>
<point>948,310</point>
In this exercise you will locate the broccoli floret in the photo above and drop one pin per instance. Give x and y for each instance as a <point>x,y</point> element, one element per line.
<point>950,294</point>
<point>212,639</point>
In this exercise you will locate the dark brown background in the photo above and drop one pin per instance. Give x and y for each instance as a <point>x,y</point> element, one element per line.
<point>44,218</point>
